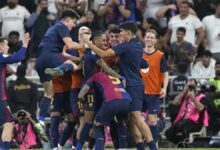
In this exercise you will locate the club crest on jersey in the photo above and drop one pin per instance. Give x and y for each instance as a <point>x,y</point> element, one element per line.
<point>145,70</point>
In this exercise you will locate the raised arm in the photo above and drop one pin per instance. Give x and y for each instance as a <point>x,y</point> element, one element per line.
<point>19,55</point>
<point>101,53</point>
<point>101,63</point>
<point>162,11</point>
<point>72,58</point>
<point>71,44</point>
<point>123,11</point>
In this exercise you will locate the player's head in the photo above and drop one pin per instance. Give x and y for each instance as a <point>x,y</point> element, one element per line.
<point>99,39</point>
<point>3,46</point>
<point>86,31</point>
<point>114,36</point>
<point>150,38</point>
<point>128,30</point>
<point>69,17</point>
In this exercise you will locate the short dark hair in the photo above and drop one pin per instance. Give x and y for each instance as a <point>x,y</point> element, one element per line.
<point>181,29</point>
<point>14,33</point>
<point>129,26</point>
<point>206,53</point>
<point>21,70</point>
<point>154,24</point>
<point>96,34</point>
<point>152,31</point>
<point>69,13</point>
<point>115,29</point>
<point>193,79</point>
<point>182,67</point>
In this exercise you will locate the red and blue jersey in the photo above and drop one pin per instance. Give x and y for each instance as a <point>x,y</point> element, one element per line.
<point>52,41</point>
<point>6,59</point>
<point>109,87</point>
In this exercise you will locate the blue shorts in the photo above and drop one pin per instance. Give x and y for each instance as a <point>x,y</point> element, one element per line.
<point>151,103</point>
<point>61,103</point>
<point>76,106</point>
<point>5,114</point>
<point>108,110</point>
<point>137,95</point>
<point>44,61</point>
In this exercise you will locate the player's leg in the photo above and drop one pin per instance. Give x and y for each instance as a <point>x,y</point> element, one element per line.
<point>56,107</point>
<point>123,107</point>
<point>77,112</point>
<point>89,114</point>
<point>45,101</point>
<point>67,66</point>
<point>68,130</point>
<point>8,125</point>
<point>153,102</point>
<point>113,133</point>
<point>136,108</point>
<point>43,62</point>
<point>105,115</point>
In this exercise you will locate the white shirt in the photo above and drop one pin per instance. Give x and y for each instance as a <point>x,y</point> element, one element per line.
<point>211,25</point>
<point>13,20</point>
<point>151,9</point>
<point>199,71</point>
<point>191,23</point>
<point>51,6</point>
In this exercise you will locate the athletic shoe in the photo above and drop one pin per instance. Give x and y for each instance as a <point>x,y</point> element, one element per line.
<point>54,71</point>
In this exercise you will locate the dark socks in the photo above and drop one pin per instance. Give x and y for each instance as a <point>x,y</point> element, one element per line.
<point>6,145</point>
<point>99,137</point>
<point>155,132</point>
<point>54,132</point>
<point>44,107</point>
<point>83,135</point>
<point>122,135</point>
<point>140,146</point>
<point>152,145</point>
<point>67,132</point>
<point>91,142</point>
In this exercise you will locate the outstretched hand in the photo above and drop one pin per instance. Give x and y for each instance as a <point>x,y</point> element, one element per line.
<point>26,39</point>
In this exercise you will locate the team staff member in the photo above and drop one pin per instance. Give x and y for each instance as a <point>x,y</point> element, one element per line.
<point>155,80</point>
